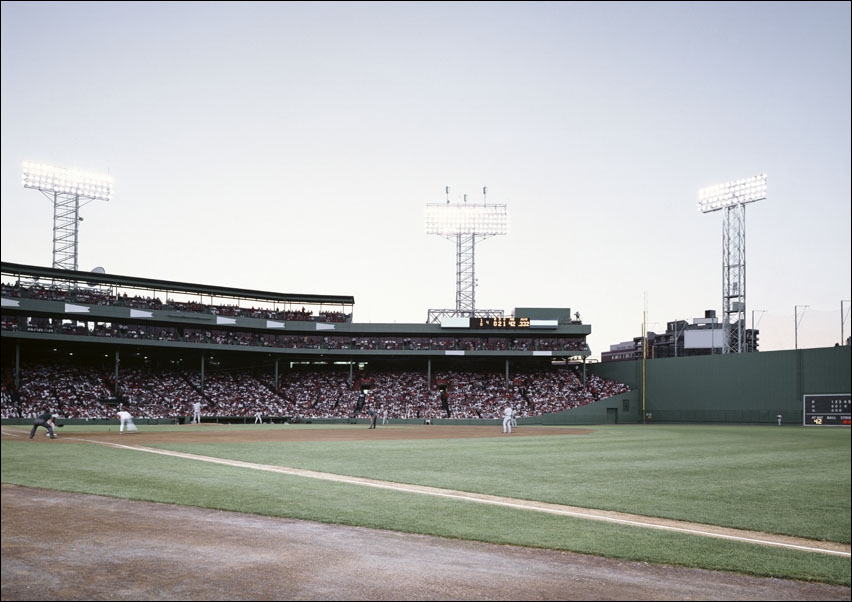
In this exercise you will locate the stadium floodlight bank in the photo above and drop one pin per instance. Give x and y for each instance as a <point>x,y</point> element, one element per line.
<point>729,194</point>
<point>69,182</point>
<point>482,220</point>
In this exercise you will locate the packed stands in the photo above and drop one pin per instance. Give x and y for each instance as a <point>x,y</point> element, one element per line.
<point>88,392</point>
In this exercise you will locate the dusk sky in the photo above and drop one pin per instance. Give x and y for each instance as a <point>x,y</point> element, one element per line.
<point>294,146</point>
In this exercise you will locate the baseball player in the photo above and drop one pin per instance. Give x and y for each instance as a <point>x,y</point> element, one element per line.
<point>126,421</point>
<point>507,419</point>
<point>47,420</point>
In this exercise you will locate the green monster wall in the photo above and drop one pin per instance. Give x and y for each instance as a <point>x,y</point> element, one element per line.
<point>726,388</point>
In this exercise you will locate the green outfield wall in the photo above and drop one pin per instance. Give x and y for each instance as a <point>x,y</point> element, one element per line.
<point>724,388</point>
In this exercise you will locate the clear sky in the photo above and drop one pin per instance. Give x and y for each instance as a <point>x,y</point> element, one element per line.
<point>293,147</point>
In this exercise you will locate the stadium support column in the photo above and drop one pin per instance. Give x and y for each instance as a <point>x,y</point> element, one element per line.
<point>277,382</point>
<point>507,375</point>
<point>117,364</point>
<point>17,366</point>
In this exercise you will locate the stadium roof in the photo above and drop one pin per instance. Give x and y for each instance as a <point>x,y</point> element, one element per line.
<point>93,278</point>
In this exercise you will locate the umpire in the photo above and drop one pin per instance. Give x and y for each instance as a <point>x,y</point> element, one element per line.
<point>46,420</point>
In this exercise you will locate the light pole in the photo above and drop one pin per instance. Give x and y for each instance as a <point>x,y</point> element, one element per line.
<point>65,188</point>
<point>644,354</point>
<point>796,308</point>
<point>733,197</point>
<point>842,320</point>
<point>464,223</point>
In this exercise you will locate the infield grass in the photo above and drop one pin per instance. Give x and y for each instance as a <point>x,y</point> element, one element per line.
<point>790,480</point>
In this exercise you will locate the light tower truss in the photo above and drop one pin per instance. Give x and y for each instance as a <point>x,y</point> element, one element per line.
<point>465,224</point>
<point>732,197</point>
<point>66,188</point>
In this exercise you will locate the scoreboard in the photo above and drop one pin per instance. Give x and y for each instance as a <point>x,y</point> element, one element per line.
<point>499,322</point>
<point>827,410</point>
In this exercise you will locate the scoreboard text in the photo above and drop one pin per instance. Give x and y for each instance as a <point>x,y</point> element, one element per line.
<point>498,322</point>
<point>827,410</point>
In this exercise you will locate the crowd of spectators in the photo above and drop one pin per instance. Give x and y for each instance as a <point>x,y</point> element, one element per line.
<point>90,393</point>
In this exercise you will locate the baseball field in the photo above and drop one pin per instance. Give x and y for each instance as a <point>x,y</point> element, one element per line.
<point>308,511</point>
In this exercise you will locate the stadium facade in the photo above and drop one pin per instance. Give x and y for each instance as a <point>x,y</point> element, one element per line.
<point>53,313</point>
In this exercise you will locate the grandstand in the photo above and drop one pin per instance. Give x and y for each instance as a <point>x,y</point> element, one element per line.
<point>158,346</point>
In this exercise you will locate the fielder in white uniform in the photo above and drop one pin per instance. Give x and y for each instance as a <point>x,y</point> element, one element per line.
<point>507,419</point>
<point>126,421</point>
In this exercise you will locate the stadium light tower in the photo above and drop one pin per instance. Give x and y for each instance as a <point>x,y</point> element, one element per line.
<point>733,197</point>
<point>66,188</point>
<point>465,223</point>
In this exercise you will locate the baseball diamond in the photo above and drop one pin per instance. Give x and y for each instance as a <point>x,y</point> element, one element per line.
<point>131,551</point>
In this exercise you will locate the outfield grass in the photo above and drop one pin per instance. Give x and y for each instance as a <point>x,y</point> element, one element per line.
<point>790,480</point>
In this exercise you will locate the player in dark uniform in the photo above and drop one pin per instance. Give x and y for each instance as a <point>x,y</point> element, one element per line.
<point>44,419</point>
